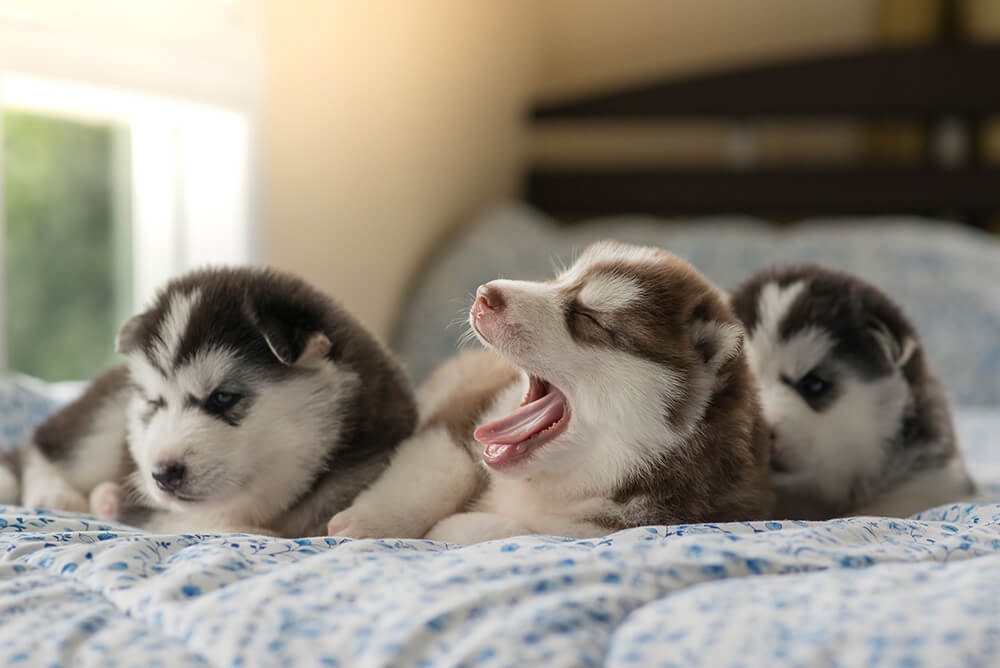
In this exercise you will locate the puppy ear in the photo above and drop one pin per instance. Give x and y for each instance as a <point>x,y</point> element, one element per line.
<point>716,342</point>
<point>292,344</point>
<point>897,352</point>
<point>129,334</point>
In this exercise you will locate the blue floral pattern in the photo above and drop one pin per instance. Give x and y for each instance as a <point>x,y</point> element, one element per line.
<point>860,591</point>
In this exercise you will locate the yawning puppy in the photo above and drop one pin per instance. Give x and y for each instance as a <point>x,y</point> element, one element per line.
<point>859,423</point>
<point>250,401</point>
<point>616,395</point>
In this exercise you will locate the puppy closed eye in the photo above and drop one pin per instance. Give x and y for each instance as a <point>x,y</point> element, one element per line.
<point>577,313</point>
<point>585,325</point>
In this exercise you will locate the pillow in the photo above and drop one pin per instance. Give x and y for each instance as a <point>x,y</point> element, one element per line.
<point>945,276</point>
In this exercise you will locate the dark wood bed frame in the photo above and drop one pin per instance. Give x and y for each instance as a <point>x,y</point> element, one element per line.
<point>929,84</point>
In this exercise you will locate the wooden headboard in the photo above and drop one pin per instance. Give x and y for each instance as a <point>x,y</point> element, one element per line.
<point>932,84</point>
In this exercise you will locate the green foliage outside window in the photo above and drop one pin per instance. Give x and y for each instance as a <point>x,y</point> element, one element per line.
<point>65,256</point>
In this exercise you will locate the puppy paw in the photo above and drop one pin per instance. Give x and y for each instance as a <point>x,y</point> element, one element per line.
<point>469,528</point>
<point>58,497</point>
<point>347,524</point>
<point>357,522</point>
<point>106,501</point>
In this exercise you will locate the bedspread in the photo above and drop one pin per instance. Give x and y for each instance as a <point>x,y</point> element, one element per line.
<point>859,591</point>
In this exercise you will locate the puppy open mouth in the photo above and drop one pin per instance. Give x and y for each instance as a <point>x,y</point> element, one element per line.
<point>543,415</point>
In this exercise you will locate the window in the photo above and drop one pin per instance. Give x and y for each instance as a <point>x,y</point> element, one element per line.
<point>126,158</point>
<point>65,245</point>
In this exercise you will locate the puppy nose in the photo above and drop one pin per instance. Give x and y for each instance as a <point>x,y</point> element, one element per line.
<point>169,476</point>
<point>774,436</point>
<point>490,296</point>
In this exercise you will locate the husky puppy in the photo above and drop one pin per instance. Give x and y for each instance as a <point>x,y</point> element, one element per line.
<point>249,401</point>
<point>858,423</point>
<point>616,395</point>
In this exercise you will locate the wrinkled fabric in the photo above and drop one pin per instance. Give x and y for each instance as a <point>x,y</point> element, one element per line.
<point>859,591</point>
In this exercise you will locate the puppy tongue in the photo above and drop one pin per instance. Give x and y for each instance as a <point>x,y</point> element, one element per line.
<point>501,435</point>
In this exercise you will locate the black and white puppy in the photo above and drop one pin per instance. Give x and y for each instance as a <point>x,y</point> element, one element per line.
<point>249,401</point>
<point>859,424</point>
<point>616,395</point>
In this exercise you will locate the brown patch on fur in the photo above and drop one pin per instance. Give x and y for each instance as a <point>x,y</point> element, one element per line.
<point>661,328</point>
<point>585,326</point>
<point>56,437</point>
<point>721,472</point>
<point>677,296</point>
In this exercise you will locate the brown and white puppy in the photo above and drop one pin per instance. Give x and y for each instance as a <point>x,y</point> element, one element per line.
<point>249,401</point>
<point>614,396</point>
<point>859,423</point>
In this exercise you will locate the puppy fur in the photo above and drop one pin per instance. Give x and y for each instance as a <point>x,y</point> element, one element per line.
<point>859,423</point>
<point>249,401</point>
<point>636,361</point>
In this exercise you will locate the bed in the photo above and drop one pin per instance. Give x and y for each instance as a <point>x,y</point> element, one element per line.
<point>921,591</point>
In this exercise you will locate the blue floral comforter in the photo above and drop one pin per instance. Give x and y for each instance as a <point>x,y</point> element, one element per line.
<point>862,591</point>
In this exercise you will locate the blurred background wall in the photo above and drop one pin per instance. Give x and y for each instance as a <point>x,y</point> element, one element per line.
<point>346,139</point>
<point>387,123</point>
<point>588,44</point>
